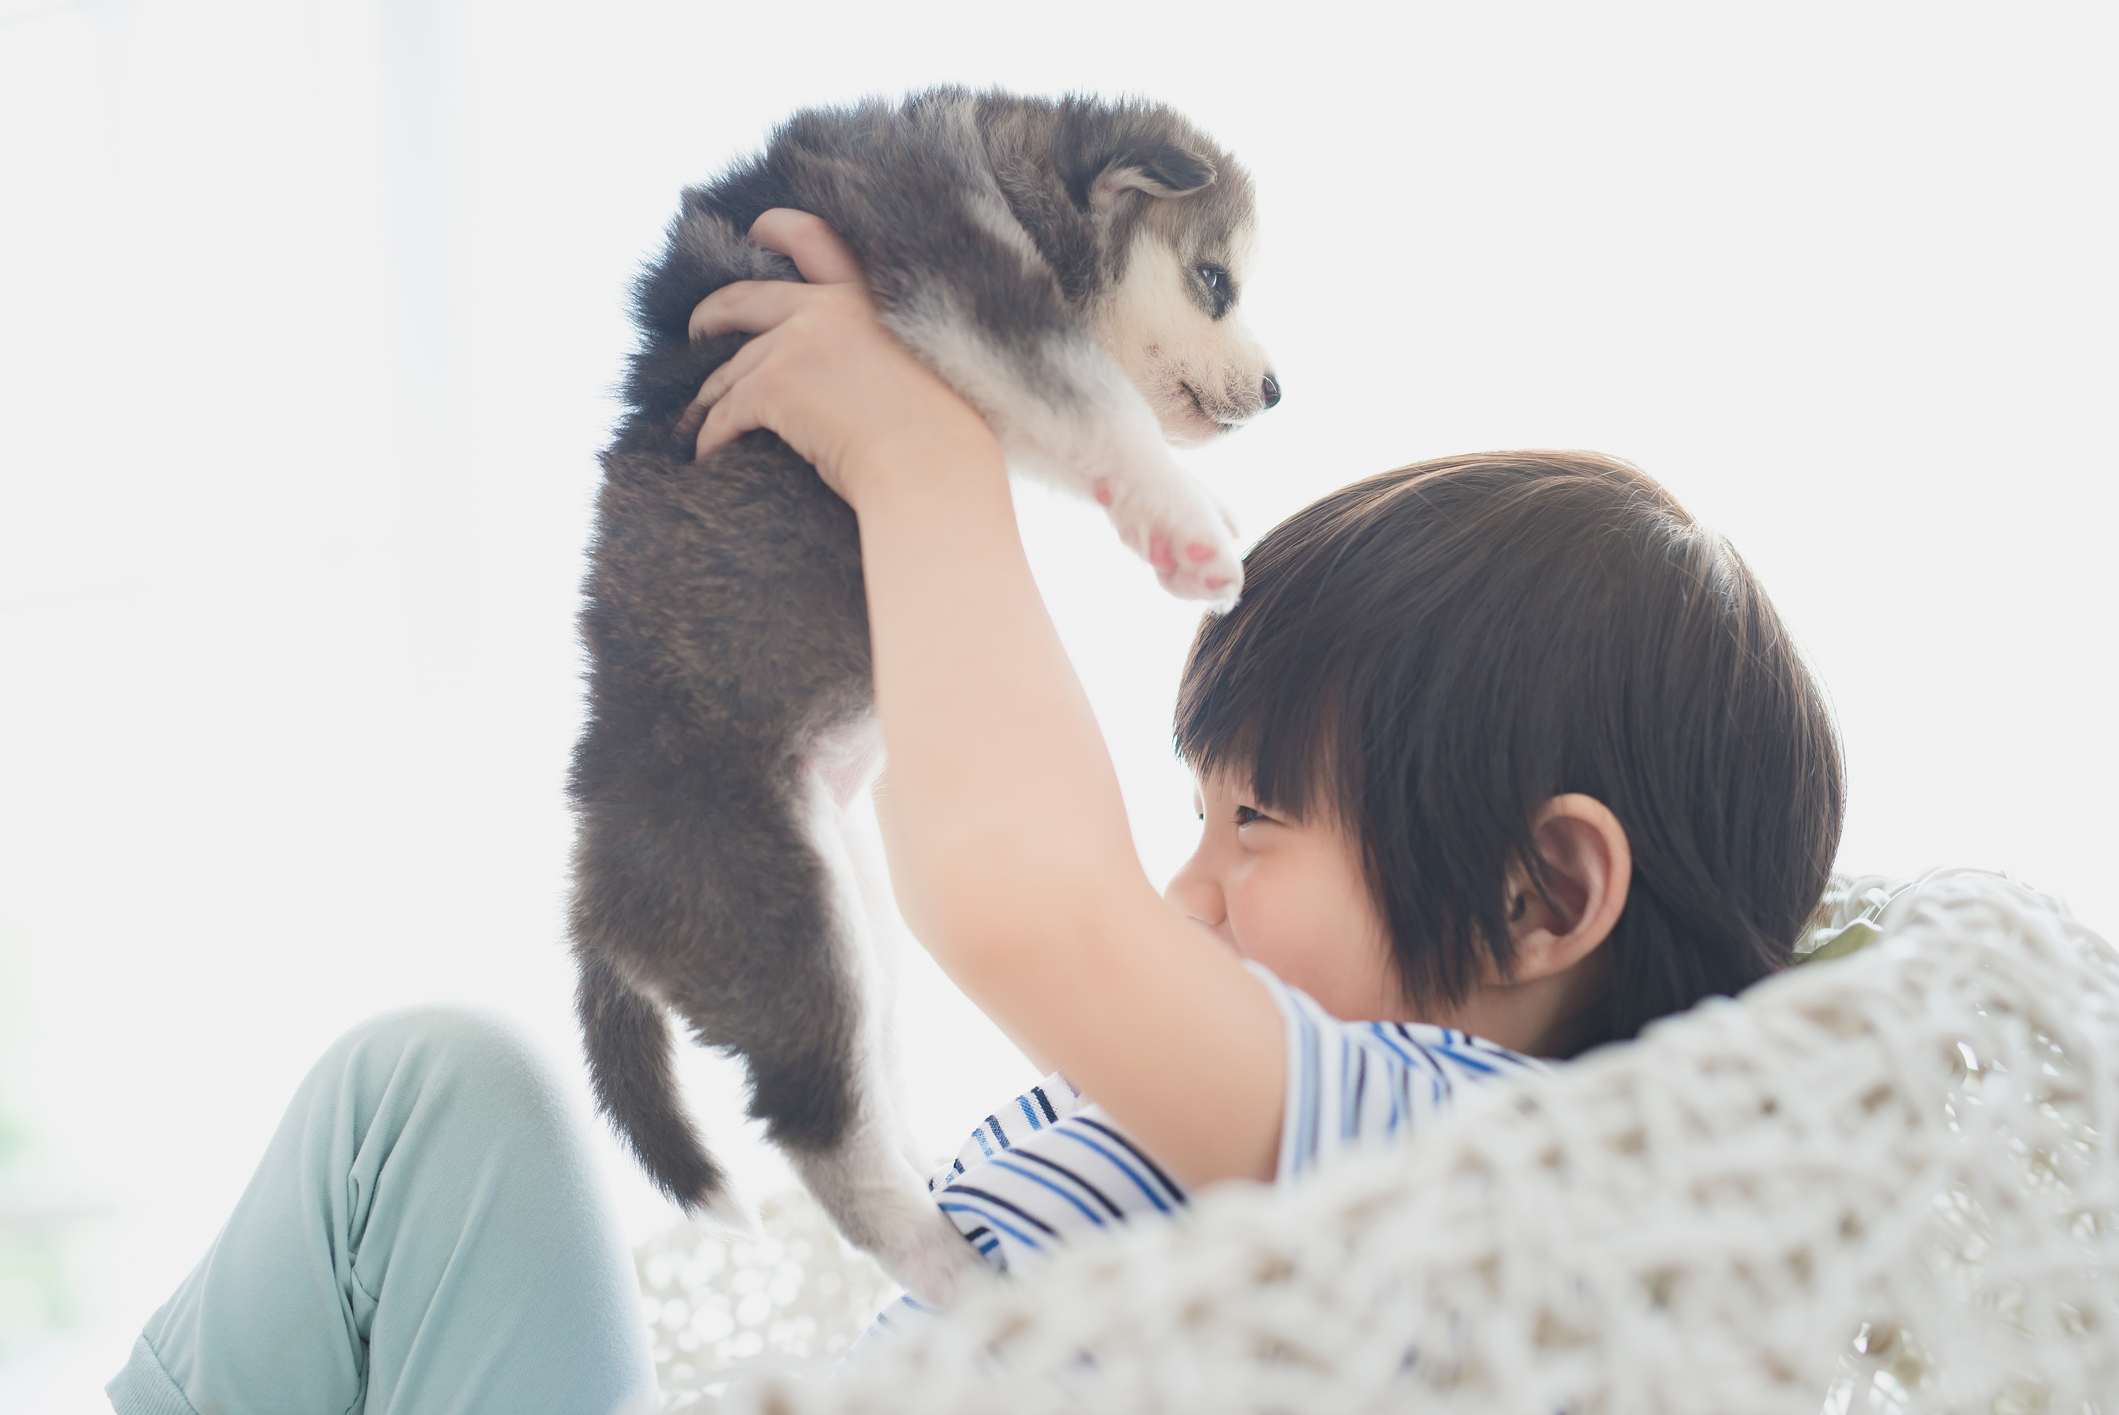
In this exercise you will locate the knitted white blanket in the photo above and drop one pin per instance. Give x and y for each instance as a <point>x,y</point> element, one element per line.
<point>1887,1182</point>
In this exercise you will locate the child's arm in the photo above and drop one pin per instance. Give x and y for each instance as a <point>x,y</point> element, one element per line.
<point>1007,838</point>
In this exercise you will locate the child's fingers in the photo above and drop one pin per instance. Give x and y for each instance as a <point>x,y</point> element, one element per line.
<point>812,245</point>
<point>726,421</point>
<point>748,307</point>
<point>723,378</point>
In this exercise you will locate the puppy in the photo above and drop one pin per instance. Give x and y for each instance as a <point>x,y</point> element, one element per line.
<point>1073,268</point>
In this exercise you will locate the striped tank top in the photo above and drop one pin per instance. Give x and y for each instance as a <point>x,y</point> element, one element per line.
<point>1051,1164</point>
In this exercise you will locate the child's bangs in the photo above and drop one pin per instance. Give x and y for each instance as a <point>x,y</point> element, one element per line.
<point>1235,721</point>
<point>1266,698</point>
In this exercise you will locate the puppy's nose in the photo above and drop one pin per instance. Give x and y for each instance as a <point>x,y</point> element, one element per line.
<point>1271,389</point>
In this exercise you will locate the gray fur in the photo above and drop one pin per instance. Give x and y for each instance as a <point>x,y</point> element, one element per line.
<point>725,618</point>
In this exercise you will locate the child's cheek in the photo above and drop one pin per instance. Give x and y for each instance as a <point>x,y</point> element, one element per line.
<point>1272,926</point>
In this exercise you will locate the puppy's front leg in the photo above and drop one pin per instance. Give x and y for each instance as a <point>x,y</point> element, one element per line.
<point>1171,522</point>
<point>1117,457</point>
<point>1064,412</point>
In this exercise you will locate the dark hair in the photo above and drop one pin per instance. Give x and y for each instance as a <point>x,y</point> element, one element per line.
<point>1432,654</point>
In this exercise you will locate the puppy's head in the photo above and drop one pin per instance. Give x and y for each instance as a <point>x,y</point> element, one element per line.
<point>1179,231</point>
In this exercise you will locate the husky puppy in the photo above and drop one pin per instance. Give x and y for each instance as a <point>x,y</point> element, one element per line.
<point>1071,267</point>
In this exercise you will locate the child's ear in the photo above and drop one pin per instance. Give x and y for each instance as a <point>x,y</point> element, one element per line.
<point>1587,872</point>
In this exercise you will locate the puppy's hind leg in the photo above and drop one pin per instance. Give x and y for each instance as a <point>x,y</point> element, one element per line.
<point>847,764</point>
<point>873,1180</point>
<point>812,1043</point>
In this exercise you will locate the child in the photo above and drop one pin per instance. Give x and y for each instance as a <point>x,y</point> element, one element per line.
<point>1499,757</point>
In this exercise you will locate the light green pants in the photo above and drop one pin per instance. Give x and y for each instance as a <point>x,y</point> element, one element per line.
<point>424,1235</point>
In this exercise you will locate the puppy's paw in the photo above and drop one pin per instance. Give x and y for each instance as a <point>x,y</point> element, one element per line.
<point>1201,569</point>
<point>1173,524</point>
<point>933,1261</point>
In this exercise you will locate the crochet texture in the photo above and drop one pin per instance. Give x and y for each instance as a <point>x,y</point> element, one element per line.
<point>1885,1182</point>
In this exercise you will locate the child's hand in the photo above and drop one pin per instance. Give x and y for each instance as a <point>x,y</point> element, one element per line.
<point>823,372</point>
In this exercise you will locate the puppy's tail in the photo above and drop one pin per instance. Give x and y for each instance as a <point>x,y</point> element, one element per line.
<point>627,1037</point>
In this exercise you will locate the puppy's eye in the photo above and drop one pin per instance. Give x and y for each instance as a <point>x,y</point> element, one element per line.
<point>1219,292</point>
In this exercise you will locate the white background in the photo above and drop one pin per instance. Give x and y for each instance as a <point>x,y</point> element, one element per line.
<point>310,313</point>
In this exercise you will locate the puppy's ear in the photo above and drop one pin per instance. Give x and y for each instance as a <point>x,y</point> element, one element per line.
<point>1159,171</point>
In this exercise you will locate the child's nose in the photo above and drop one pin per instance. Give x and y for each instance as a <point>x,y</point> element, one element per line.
<point>1195,891</point>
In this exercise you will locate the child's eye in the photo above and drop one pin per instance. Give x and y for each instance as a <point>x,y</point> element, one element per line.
<point>1245,815</point>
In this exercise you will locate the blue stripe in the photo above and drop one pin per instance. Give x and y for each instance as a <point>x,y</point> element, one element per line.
<point>979,1135</point>
<point>1090,1214</point>
<point>1017,1209</point>
<point>1044,1102</point>
<point>1435,1053</point>
<point>960,1208</point>
<point>1440,1087</point>
<point>1306,1116</point>
<point>1124,1168</point>
<point>1382,1034</point>
<point>998,1133</point>
<point>1119,1137</point>
<point>1349,1102</point>
<point>1057,1168</point>
<point>1029,1114</point>
<point>1465,1058</point>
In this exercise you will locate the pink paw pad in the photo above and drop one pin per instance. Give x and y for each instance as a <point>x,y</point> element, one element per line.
<point>1159,552</point>
<point>1217,582</point>
<point>1199,550</point>
<point>1102,488</point>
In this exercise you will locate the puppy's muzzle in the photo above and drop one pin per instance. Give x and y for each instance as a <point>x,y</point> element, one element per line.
<point>1233,409</point>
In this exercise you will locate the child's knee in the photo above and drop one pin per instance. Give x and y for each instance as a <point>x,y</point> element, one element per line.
<point>458,1055</point>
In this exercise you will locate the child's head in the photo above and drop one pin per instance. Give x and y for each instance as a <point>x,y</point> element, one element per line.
<point>1423,662</point>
